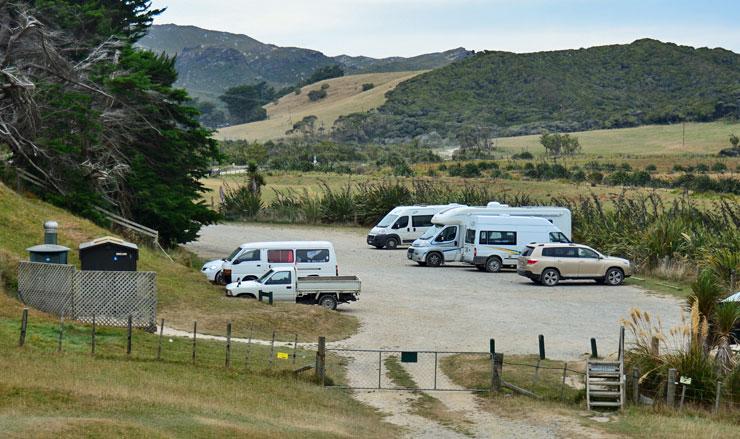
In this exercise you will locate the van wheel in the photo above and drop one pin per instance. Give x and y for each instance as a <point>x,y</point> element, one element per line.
<point>391,244</point>
<point>550,277</point>
<point>493,265</point>
<point>328,302</point>
<point>614,277</point>
<point>434,259</point>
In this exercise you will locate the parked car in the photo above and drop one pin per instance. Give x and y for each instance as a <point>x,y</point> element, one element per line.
<point>213,271</point>
<point>252,260</point>
<point>548,264</point>
<point>403,225</point>
<point>285,285</point>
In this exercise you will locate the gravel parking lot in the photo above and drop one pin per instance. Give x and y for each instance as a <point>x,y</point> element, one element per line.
<point>405,306</point>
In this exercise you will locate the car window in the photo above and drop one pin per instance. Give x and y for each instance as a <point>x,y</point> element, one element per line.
<point>448,234</point>
<point>560,252</point>
<point>497,238</point>
<point>558,237</point>
<point>280,256</point>
<point>470,236</point>
<point>569,252</point>
<point>401,223</point>
<point>249,255</point>
<point>312,256</point>
<point>587,253</point>
<point>528,251</point>
<point>233,254</point>
<point>280,278</point>
<point>421,220</point>
<point>387,221</point>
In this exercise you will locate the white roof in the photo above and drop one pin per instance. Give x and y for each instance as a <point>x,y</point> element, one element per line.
<point>428,207</point>
<point>508,219</point>
<point>287,244</point>
<point>734,298</point>
<point>108,240</point>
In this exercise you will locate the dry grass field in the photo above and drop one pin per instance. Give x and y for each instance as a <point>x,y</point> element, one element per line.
<point>345,96</point>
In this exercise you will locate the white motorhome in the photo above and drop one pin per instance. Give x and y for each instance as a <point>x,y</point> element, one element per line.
<point>444,241</point>
<point>403,225</point>
<point>492,242</point>
<point>252,260</point>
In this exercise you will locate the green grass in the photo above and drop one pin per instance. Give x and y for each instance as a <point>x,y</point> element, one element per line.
<point>184,295</point>
<point>657,285</point>
<point>667,140</point>
<point>70,394</point>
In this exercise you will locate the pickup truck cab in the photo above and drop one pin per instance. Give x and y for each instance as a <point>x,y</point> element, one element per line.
<point>282,282</point>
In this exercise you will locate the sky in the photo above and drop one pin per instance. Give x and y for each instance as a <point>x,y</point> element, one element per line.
<point>381,28</point>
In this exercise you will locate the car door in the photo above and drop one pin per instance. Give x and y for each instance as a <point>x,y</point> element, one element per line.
<point>568,261</point>
<point>248,265</point>
<point>447,241</point>
<point>402,228</point>
<point>589,263</point>
<point>280,285</point>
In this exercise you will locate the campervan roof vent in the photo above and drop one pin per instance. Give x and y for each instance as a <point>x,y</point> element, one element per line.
<point>496,204</point>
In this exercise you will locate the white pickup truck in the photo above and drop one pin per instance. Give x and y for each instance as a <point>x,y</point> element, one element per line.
<point>282,282</point>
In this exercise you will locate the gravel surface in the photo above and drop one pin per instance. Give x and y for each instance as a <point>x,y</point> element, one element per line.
<point>457,308</point>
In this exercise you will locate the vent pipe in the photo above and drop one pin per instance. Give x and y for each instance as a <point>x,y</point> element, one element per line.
<point>50,232</point>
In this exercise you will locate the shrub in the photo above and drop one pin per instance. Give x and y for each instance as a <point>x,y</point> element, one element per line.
<point>651,168</point>
<point>595,177</point>
<point>719,167</point>
<point>240,203</point>
<point>525,155</point>
<point>324,86</point>
<point>316,95</point>
<point>702,168</point>
<point>368,86</point>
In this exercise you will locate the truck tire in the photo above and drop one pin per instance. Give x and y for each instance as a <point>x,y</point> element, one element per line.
<point>493,264</point>
<point>328,302</point>
<point>434,259</point>
<point>391,244</point>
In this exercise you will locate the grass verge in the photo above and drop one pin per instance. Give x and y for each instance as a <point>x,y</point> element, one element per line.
<point>184,295</point>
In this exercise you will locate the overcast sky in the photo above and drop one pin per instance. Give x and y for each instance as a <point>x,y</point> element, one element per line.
<point>409,27</point>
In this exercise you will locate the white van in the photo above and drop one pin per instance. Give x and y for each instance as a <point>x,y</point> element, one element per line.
<point>251,260</point>
<point>403,225</point>
<point>445,241</point>
<point>492,242</point>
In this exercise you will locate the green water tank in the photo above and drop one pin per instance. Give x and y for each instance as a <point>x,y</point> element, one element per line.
<point>49,252</point>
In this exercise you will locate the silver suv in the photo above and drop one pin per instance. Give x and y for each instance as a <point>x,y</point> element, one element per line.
<point>549,263</point>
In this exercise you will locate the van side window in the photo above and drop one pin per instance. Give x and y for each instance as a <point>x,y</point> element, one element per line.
<point>249,255</point>
<point>558,237</point>
<point>421,220</point>
<point>280,256</point>
<point>280,278</point>
<point>470,236</point>
<point>401,223</point>
<point>497,238</point>
<point>312,256</point>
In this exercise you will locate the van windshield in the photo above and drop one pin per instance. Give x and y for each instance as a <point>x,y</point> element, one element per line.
<point>387,221</point>
<point>265,276</point>
<point>429,234</point>
<point>233,254</point>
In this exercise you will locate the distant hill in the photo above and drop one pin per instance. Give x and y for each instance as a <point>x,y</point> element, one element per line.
<point>345,95</point>
<point>209,61</point>
<point>506,94</point>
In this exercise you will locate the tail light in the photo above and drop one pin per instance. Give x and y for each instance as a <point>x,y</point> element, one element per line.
<point>531,261</point>
<point>336,267</point>
<point>475,251</point>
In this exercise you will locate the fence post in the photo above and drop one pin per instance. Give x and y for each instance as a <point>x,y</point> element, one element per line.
<point>542,346</point>
<point>321,361</point>
<point>562,385</point>
<point>497,362</point>
<point>295,347</point>
<point>159,345</point>
<point>61,333</point>
<point>655,346</point>
<point>272,348</point>
<point>380,369</point>
<point>594,351</point>
<point>635,385</point>
<point>671,392</point>
<point>270,297</point>
<point>536,372</point>
<point>249,347</point>
<point>717,396</point>
<point>195,332</point>
<point>92,341</point>
<point>683,395</point>
<point>24,327</point>
<point>228,345</point>
<point>128,335</point>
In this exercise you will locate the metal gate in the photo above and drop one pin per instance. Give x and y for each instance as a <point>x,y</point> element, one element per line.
<point>399,370</point>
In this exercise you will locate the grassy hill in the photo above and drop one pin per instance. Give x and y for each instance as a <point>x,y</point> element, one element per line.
<point>184,294</point>
<point>568,90</point>
<point>649,140</point>
<point>209,62</point>
<point>344,96</point>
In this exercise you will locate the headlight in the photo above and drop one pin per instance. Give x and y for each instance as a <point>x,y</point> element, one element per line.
<point>213,267</point>
<point>381,232</point>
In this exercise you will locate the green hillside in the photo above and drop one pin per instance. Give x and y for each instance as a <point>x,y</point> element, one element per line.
<point>508,94</point>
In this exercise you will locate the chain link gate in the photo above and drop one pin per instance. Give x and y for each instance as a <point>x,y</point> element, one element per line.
<point>379,369</point>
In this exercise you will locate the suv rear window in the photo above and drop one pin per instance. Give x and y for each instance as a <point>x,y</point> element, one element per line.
<point>527,251</point>
<point>279,256</point>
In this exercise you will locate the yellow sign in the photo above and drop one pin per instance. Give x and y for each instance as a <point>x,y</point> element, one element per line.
<point>282,355</point>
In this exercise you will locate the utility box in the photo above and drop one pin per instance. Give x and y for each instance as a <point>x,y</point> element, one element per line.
<point>108,254</point>
<point>49,252</point>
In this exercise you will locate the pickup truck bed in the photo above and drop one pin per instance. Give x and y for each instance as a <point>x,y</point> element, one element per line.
<point>335,284</point>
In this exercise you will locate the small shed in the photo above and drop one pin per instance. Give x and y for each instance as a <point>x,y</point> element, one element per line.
<point>108,254</point>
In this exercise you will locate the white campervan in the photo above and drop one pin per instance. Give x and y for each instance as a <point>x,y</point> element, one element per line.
<point>492,242</point>
<point>445,241</point>
<point>403,225</point>
<point>251,260</point>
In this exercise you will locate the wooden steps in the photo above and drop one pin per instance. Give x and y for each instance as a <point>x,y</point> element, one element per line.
<point>605,381</point>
